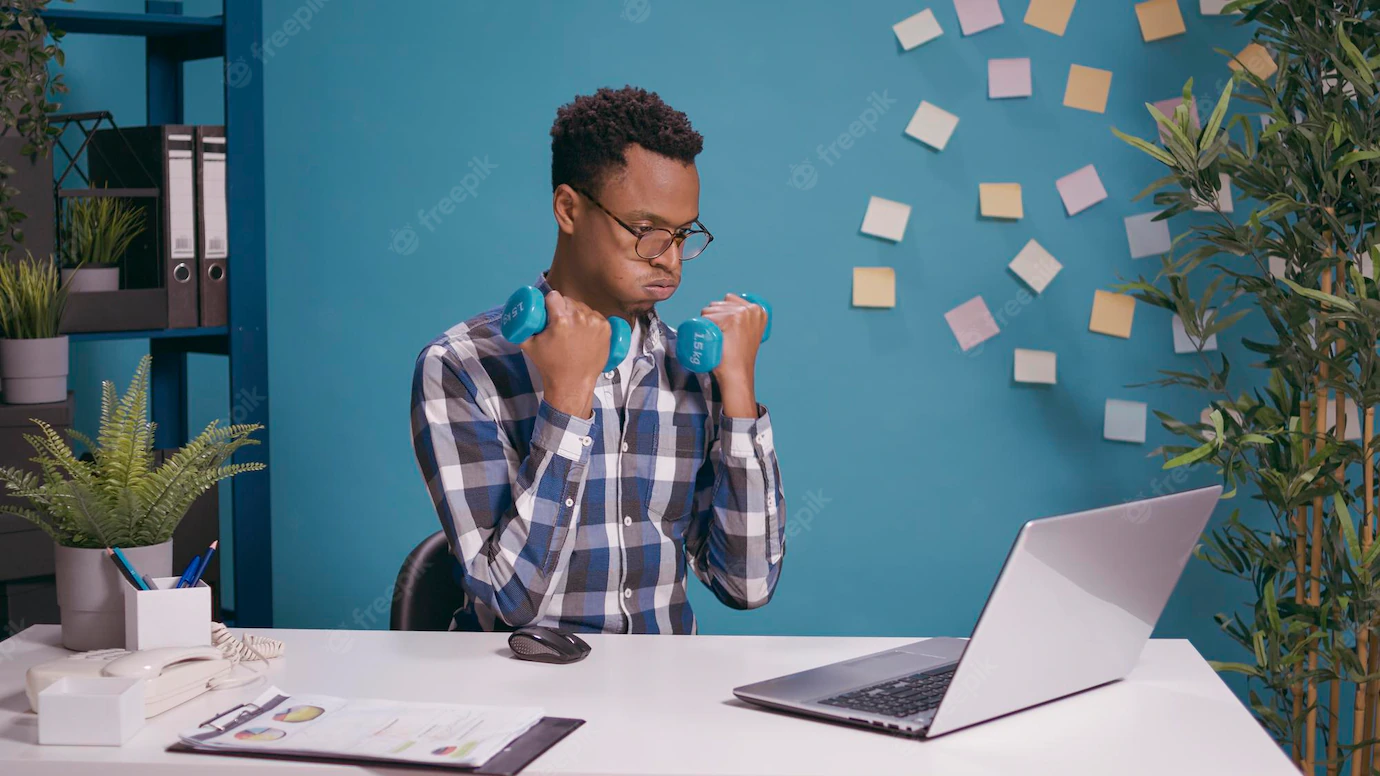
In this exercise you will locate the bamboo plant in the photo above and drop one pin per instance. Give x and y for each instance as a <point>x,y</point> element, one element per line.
<point>1299,442</point>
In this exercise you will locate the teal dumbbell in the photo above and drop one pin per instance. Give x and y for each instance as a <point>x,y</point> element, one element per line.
<point>524,316</point>
<point>700,343</point>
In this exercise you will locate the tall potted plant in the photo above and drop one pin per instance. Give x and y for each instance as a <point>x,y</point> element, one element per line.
<point>93,235</point>
<point>118,498</point>
<point>33,355</point>
<point>1301,440</point>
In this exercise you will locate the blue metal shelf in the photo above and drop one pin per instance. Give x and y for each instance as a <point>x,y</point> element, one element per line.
<point>97,336</point>
<point>184,37</point>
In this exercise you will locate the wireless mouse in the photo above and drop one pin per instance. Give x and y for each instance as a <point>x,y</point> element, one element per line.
<point>547,645</point>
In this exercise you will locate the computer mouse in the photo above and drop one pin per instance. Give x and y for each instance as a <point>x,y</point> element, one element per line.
<point>547,645</point>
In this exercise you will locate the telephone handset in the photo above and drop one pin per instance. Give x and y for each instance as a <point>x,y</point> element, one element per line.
<point>173,675</point>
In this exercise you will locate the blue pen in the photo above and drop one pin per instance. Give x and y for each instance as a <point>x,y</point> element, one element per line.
<point>187,572</point>
<point>205,562</point>
<point>133,572</point>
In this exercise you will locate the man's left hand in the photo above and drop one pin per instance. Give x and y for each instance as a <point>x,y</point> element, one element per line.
<point>742,324</point>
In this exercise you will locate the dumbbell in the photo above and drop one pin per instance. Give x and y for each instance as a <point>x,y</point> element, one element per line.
<point>524,316</point>
<point>700,343</point>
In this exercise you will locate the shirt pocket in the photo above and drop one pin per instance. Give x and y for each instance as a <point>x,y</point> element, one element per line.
<point>680,452</point>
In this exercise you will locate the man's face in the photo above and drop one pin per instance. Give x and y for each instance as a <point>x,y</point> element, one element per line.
<point>652,191</point>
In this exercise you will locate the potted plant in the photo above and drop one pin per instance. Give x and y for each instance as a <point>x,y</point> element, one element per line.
<point>33,355</point>
<point>117,498</point>
<point>93,235</point>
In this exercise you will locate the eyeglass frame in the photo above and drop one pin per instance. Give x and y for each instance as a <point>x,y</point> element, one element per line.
<point>677,235</point>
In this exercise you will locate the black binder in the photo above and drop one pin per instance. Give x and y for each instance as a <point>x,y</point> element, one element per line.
<point>166,257</point>
<point>213,234</point>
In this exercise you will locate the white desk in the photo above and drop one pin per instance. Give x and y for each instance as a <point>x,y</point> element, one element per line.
<point>664,705</point>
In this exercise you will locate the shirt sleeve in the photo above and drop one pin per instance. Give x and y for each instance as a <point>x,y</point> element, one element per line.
<point>737,537</point>
<point>509,520</point>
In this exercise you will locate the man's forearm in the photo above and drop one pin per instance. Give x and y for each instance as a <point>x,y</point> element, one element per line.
<point>739,396</point>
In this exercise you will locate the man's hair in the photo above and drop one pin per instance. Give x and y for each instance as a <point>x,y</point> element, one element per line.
<point>592,132</point>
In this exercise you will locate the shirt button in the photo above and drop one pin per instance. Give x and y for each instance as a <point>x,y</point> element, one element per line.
<point>627,592</point>
<point>570,502</point>
<point>609,374</point>
<point>625,447</point>
<point>586,441</point>
<point>627,520</point>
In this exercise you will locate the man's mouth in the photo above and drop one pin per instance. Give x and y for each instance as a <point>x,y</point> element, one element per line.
<point>661,289</point>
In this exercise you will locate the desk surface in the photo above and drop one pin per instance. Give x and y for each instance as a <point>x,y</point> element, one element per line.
<point>664,705</point>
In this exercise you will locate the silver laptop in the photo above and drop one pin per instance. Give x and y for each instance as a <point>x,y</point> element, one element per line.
<point>1072,609</point>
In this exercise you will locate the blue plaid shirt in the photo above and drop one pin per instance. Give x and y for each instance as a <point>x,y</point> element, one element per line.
<point>588,524</point>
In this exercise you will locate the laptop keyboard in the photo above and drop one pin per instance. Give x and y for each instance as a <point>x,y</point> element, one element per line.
<point>900,698</point>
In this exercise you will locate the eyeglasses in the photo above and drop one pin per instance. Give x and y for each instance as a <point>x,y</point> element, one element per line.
<point>654,241</point>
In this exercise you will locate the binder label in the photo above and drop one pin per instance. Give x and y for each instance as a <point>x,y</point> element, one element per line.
<point>213,200</point>
<point>181,205</point>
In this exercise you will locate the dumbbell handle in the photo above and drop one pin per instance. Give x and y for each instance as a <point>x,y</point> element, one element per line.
<point>524,316</point>
<point>699,341</point>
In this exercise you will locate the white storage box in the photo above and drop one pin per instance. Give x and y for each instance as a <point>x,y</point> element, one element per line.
<point>167,617</point>
<point>90,710</point>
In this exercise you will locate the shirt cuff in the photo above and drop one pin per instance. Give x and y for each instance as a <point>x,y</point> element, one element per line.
<point>565,435</point>
<point>747,436</point>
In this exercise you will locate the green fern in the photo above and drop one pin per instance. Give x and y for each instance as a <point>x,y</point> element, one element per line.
<point>119,498</point>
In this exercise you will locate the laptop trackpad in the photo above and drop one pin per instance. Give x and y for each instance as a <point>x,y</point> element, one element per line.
<point>884,664</point>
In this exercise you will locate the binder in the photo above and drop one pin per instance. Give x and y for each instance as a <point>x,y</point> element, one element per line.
<point>213,243</point>
<point>164,256</point>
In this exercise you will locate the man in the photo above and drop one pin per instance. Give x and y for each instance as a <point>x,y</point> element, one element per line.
<point>573,497</point>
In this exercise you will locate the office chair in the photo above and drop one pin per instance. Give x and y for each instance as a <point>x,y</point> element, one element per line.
<point>427,596</point>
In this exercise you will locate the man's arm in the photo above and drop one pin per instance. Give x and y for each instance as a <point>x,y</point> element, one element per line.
<point>510,521</point>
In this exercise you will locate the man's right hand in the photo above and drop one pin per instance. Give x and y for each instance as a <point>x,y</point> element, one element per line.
<point>569,353</point>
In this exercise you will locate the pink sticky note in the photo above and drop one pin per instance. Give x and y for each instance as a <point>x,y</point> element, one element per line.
<point>1080,190</point>
<point>972,324</point>
<point>1167,107</point>
<point>1008,78</point>
<point>974,16</point>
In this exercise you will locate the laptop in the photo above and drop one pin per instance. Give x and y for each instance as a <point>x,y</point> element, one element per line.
<point>1073,607</point>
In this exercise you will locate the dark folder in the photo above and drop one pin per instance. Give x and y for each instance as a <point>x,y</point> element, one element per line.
<point>213,234</point>
<point>164,256</point>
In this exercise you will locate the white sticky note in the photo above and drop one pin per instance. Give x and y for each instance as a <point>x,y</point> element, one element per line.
<point>917,30</point>
<point>1353,419</point>
<point>1147,236</point>
<point>1366,263</point>
<point>1035,266</point>
<point>1124,421</point>
<point>974,16</point>
<point>1080,190</point>
<point>972,323</point>
<point>1035,366</point>
<point>1008,78</point>
<point>886,219</point>
<point>1206,417</point>
<point>1212,7</point>
<point>1184,343</point>
<point>1224,199</point>
<point>1278,266</point>
<point>932,125</point>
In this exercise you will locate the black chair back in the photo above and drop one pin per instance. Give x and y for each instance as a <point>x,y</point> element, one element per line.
<point>426,595</point>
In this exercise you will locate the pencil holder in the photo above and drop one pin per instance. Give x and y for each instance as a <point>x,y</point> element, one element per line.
<point>167,616</point>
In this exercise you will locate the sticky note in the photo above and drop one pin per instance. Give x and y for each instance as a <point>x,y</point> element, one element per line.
<point>1212,7</point>
<point>886,219</point>
<point>1278,266</point>
<point>1124,421</point>
<point>971,323</point>
<point>874,287</point>
<point>1001,200</point>
<point>1035,366</point>
<point>974,16</point>
<point>1364,261</point>
<point>1206,417</point>
<point>932,125</point>
<point>1112,314</point>
<point>1087,88</point>
<point>1147,236</point>
<point>1080,190</point>
<point>1159,19</point>
<point>918,29</point>
<point>1049,15</point>
<point>1008,78</point>
<point>1183,343</point>
<point>1256,59</point>
<point>1035,266</point>
<point>1167,108</point>
<point>1224,200</point>
<point>1353,419</point>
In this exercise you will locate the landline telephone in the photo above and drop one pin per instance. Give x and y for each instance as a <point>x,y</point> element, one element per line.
<point>173,675</point>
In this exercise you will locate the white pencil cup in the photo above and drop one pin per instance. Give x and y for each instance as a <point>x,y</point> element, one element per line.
<point>167,617</point>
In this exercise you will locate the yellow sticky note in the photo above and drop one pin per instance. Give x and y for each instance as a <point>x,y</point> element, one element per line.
<point>1112,314</point>
<point>1159,19</point>
<point>874,287</point>
<point>1001,200</point>
<point>1049,15</point>
<point>1088,88</point>
<point>1256,59</point>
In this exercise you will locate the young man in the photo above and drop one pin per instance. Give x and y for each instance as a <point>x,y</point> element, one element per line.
<point>573,497</point>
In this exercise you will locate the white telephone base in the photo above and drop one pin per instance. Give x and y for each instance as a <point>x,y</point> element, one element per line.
<point>173,675</point>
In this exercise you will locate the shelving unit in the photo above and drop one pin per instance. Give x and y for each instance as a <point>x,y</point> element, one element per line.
<point>172,39</point>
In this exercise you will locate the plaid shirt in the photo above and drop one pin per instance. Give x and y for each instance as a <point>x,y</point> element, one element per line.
<point>588,524</point>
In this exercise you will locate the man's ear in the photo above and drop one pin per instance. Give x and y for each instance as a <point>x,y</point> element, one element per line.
<point>564,202</point>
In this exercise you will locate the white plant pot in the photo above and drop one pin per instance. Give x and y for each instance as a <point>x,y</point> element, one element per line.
<point>88,279</point>
<point>91,595</point>
<point>33,371</point>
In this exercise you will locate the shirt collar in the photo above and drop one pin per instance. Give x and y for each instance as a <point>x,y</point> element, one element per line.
<point>652,339</point>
